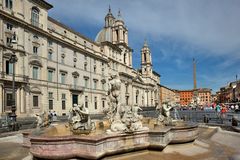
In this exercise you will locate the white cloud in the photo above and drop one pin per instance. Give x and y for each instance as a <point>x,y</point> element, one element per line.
<point>178,30</point>
<point>212,25</point>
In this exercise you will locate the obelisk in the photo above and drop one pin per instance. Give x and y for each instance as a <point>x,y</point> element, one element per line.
<point>194,75</point>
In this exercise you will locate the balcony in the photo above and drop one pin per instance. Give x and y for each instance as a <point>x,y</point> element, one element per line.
<point>36,24</point>
<point>36,40</point>
<point>18,77</point>
<point>76,88</point>
<point>8,31</point>
<point>35,60</point>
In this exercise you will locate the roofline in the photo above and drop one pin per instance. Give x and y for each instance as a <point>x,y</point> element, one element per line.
<point>44,4</point>
<point>154,72</point>
<point>111,45</point>
<point>167,87</point>
<point>72,30</point>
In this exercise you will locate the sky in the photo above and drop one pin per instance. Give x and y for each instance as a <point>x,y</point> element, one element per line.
<point>176,31</point>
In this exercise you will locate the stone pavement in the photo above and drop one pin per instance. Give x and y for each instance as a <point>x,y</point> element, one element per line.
<point>212,144</point>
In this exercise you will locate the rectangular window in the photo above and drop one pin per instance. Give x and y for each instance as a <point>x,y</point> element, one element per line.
<point>86,101</point>
<point>50,43</point>
<point>63,49</point>
<point>127,100</point>
<point>9,68</point>
<point>75,80</point>
<point>50,75</point>
<point>95,102</point>
<point>9,4</point>
<point>94,84</point>
<point>85,66</point>
<point>63,104</point>
<point>50,100</point>
<point>103,104</point>
<point>9,99</point>
<point>86,83</point>
<point>50,55</point>
<point>95,69</point>
<point>50,103</point>
<point>9,26</point>
<point>63,77</point>
<point>35,101</point>
<point>63,96</point>
<point>50,95</point>
<point>62,60</point>
<point>9,40</point>
<point>102,71</point>
<point>35,50</point>
<point>35,73</point>
<point>103,86</point>
<point>63,101</point>
<point>126,88</point>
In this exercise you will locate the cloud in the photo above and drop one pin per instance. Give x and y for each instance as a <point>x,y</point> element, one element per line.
<point>212,25</point>
<point>177,31</point>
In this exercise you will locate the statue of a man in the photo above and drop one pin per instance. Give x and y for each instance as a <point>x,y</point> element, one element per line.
<point>166,110</point>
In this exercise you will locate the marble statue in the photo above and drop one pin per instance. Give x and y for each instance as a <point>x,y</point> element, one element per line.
<point>195,101</point>
<point>122,118</point>
<point>43,120</point>
<point>79,119</point>
<point>164,117</point>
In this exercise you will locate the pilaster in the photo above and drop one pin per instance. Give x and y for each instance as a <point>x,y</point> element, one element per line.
<point>18,101</point>
<point>22,107</point>
<point>1,97</point>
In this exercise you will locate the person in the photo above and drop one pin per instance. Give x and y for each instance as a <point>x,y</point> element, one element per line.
<point>223,112</point>
<point>236,107</point>
<point>218,109</point>
<point>54,116</point>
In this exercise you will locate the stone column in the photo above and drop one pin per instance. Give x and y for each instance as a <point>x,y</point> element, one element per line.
<point>147,98</point>
<point>28,108</point>
<point>22,108</point>
<point>1,97</point>
<point>126,37</point>
<point>130,59</point>
<point>1,31</point>
<point>120,34</point>
<point>18,101</point>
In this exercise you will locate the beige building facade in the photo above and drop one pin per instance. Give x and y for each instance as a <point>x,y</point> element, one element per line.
<point>205,96</point>
<point>58,66</point>
<point>169,95</point>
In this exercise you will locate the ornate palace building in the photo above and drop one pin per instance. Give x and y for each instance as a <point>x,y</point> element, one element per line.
<point>57,66</point>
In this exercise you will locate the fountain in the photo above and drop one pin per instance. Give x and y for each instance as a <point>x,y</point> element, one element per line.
<point>124,131</point>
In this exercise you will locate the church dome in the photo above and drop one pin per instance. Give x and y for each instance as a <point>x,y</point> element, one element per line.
<point>104,35</point>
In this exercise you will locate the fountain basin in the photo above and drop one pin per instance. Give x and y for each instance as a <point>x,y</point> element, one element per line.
<point>98,145</point>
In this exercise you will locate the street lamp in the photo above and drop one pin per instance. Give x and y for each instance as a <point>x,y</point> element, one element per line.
<point>13,59</point>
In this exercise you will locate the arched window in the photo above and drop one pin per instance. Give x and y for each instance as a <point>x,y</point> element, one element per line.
<point>137,93</point>
<point>124,58</point>
<point>35,16</point>
<point>144,57</point>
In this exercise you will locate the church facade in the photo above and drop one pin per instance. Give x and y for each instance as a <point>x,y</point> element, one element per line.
<point>57,66</point>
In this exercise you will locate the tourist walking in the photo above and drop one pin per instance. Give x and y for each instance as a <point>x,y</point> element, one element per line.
<point>223,112</point>
<point>218,110</point>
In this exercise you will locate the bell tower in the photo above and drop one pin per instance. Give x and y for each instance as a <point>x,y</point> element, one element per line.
<point>146,64</point>
<point>109,18</point>
<point>120,32</point>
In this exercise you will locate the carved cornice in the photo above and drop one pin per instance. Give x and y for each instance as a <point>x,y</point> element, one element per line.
<point>43,3</point>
